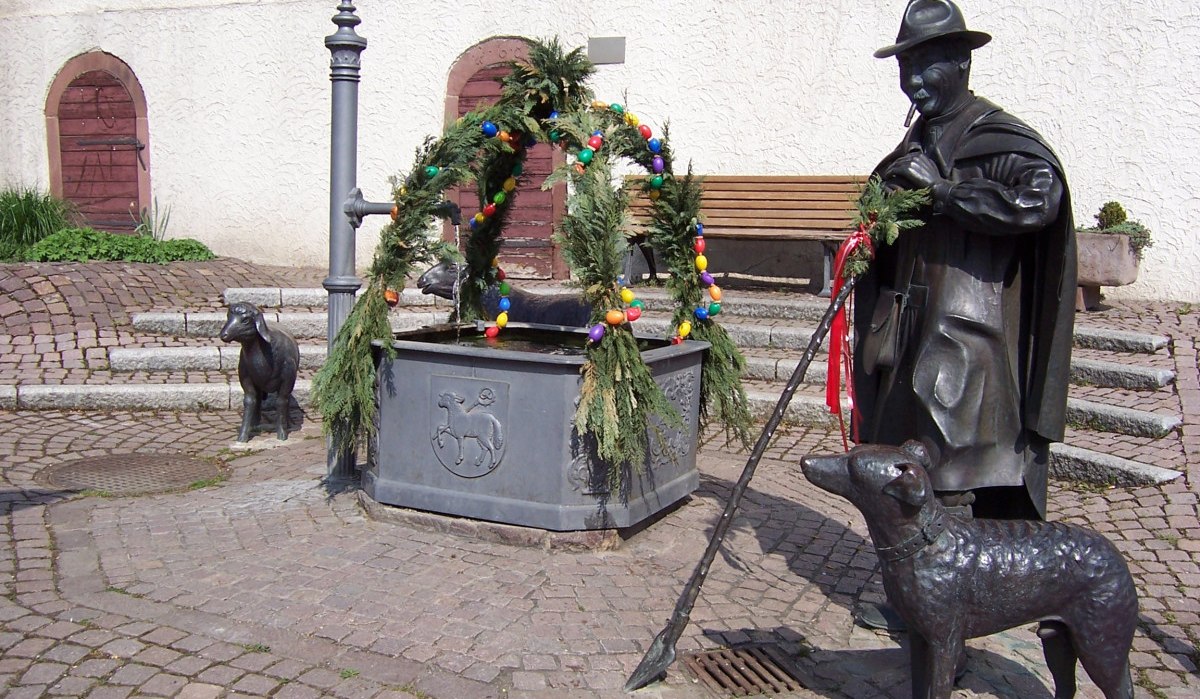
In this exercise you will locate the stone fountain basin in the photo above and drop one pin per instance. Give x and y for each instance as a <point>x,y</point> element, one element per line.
<point>485,429</point>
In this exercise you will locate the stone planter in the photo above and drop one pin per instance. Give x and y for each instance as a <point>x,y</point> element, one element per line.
<point>1105,259</point>
<point>483,432</point>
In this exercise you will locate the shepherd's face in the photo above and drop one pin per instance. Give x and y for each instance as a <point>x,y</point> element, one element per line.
<point>934,76</point>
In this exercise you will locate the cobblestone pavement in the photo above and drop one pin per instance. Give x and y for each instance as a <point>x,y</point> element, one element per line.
<point>267,584</point>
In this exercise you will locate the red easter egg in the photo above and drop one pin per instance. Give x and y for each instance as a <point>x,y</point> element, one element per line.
<point>698,246</point>
<point>633,313</point>
<point>645,131</point>
<point>489,210</point>
<point>491,331</point>
<point>595,142</point>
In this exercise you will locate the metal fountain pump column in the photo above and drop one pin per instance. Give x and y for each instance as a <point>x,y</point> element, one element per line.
<point>346,204</point>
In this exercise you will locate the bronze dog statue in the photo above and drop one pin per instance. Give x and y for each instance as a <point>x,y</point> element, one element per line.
<point>267,364</point>
<point>952,579</point>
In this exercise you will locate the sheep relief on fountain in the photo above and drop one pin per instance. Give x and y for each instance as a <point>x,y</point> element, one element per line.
<point>468,424</point>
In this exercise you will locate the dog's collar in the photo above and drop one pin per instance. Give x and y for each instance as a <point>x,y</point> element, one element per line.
<point>928,534</point>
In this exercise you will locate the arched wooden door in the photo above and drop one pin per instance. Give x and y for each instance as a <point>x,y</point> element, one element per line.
<point>96,133</point>
<point>528,251</point>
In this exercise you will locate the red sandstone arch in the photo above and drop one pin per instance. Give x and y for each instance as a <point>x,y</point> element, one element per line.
<point>528,249</point>
<point>97,137</point>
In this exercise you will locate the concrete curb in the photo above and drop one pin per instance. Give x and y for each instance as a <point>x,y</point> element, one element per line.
<point>1110,418</point>
<point>1119,340</point>
<point>1073,463</point>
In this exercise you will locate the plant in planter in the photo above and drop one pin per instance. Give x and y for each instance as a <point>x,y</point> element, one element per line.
<point>1109,253</point>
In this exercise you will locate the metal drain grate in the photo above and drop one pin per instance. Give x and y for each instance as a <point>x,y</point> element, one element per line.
<point>743,672</point>
<point>129,474</point>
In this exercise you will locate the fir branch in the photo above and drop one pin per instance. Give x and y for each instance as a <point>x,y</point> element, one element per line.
<point>882,214</point>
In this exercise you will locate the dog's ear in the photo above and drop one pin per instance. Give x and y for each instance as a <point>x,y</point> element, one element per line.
<point>918,452</point>
<point>909,487</point>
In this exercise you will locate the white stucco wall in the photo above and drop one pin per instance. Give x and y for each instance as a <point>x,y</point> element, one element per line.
<point>238,97</point>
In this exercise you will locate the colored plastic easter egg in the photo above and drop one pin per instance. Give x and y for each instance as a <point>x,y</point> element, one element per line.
<point>706,279</point>
<point>585,155</point>
<point>614,317</point>
<point>595,142</point>
<point>596,333</point>
<point>676,340</point>
<point>714,292</point>
<point>518,168</point>
<point>645,131</point>
<point>505,289</point>
<point>473,224</point>
<point>627,295</point>
<point>597,104</point>
<point>479,217</point>
<point>505,303</point>
<point>713,309</point>
<point>491,331</point>
<point>698,245</point>
<point>633,313</point>
<point>638,304</point>
<point>499,197</point>
<point>391,296</point>
<point>655,194</point>
<point>654,145</point>
<point>631,119</point>
<point>505,136</point>
<point>500,275</point>
<point>502,319</point>
<point>489,210</point>
<point>554,114</point>
<point>530,140</point>
<point>700,229</point>
<point>617,108</point>
<point>554,136</point>
<point>489,129</point>
<point>599,133</point>
<point>580,168</point>
<point>657,164</point>
<point>685,328</point>
<point>432,170</point>
<point>495,261</point>
<point>656,181</point>
<point>701,262</point>
<point>701,313</point>
<point>510,184</point>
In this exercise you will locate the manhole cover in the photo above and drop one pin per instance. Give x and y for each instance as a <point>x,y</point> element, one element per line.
<point>129,474</point>
<point>743,672</point>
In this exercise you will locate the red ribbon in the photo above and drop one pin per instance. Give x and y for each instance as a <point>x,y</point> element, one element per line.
<point>840,355</point>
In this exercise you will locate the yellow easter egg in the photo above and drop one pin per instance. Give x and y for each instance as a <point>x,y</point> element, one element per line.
<point>502,319</point>
<point>495,261</point>
<point>685,329</point>
<point>510,184</point>
<point>701,262</point>
<point>627,295</point>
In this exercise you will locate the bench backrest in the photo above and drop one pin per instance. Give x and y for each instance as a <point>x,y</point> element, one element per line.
<point>810,207</point>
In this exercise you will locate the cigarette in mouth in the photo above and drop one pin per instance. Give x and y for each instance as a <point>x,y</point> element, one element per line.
<point>912,110</point>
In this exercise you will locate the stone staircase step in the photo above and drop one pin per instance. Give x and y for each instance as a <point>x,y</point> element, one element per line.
<point>299,324</point>
<point>1113,418</point>
<point>1119,340</point>
<point>206,396</point>
<point>1119,375</point>
<point>1077,464</point>
<point>223,358</point>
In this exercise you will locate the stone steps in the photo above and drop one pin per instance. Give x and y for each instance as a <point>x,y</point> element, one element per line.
<point>771,331</point>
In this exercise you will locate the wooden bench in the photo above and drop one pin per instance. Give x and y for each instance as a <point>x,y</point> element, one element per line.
<point>773,207</point>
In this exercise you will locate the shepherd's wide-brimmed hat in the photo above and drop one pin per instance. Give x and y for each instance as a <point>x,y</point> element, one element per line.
<point>926,20</point>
